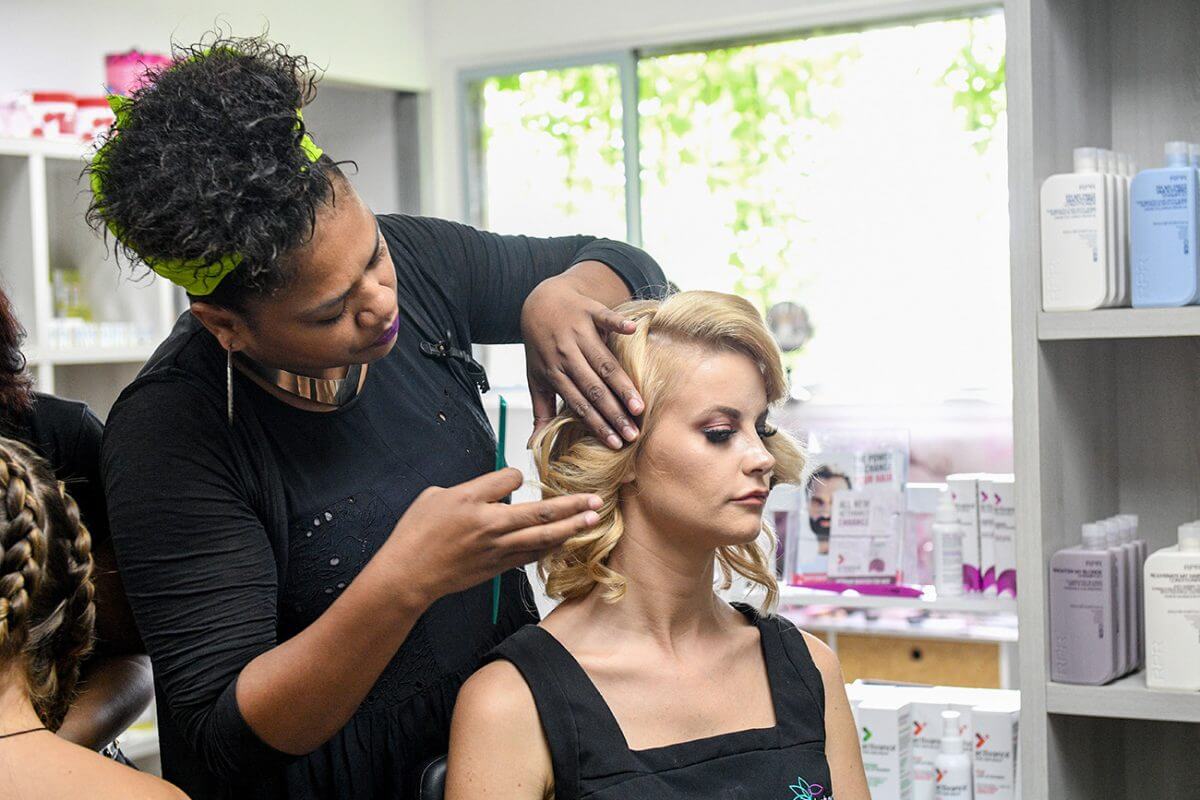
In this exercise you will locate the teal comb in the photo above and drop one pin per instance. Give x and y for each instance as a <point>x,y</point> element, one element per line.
<point>500,464</point>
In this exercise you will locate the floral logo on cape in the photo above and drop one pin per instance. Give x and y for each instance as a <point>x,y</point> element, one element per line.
<point>803,790</point>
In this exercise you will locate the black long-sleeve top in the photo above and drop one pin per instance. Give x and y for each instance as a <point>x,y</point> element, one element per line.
<point>232,539</point>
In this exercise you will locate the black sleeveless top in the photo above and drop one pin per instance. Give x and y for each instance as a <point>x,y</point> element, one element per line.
<point>591,758</point>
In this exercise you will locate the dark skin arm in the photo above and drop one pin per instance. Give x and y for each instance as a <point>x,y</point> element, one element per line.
<point>115,683</point>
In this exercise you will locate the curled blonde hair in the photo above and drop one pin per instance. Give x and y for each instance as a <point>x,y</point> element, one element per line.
<point>570,459</point>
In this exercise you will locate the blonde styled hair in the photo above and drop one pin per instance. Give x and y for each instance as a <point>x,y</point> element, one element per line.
<point>570,459</point>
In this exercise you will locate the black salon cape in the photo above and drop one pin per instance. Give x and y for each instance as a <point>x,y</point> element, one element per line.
<point>231,540</point>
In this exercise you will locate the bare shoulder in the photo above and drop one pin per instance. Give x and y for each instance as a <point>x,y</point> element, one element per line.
<point>496,742</point>
<point>57,768</point>
<point>497,693</point>
<point>824,657</point>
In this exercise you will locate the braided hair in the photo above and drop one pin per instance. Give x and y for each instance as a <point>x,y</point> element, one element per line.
<point>47,615</point>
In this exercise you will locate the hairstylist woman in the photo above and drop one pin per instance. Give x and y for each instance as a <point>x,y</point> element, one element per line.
<point>310,600</point>
<point>116,685</point>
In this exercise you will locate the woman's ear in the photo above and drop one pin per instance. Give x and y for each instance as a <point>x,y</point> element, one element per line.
<point>225,324</point>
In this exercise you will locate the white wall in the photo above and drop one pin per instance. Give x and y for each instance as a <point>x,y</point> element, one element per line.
<point>61,44</point>
<point>473,33</point>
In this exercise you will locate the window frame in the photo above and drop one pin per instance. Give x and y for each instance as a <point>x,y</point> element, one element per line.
<point>473,184</point>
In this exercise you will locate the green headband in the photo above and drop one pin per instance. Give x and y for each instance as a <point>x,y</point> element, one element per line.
<point>195,275</point>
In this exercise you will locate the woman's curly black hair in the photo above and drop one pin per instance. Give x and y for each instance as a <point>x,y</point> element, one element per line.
<point>207,163</point>
<point>16,385</point>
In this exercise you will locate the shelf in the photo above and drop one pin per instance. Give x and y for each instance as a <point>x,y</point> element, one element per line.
<point>1126,698</point>
<point>92,355</point>
<point>898,628</point>
<point>966,604</point>
<point>1119,323</point>
<point>50,148</point>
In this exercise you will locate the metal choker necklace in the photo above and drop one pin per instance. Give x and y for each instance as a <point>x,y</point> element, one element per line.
<point>326,391</point>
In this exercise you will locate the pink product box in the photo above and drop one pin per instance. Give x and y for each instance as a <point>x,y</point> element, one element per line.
<point>126,72</point>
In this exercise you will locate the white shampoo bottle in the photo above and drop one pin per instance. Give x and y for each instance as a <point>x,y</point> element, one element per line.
<point>1075,237</point>
<point>952,767</point>
<point>1173,614</point>
<point>947,548</point>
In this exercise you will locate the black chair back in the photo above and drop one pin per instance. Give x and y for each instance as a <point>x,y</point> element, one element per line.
<point>433,780</point>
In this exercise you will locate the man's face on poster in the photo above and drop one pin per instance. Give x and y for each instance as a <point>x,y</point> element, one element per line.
<point>820,505</point>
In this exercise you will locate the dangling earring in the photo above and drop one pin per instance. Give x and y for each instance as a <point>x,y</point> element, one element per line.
<point>229,385</point>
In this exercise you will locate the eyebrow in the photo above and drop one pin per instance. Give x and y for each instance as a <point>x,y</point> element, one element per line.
<point>341,298</point>
<point>730,411</point>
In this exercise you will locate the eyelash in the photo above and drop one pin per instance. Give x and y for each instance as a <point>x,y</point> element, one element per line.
<point>332,320</point>
<point>722,435</point>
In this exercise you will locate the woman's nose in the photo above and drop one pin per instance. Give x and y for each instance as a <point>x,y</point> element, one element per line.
<point>760,460</point>
<point>380,309</point>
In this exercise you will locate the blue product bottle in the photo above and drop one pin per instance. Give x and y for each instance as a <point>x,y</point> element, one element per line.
<point>1163,226</point>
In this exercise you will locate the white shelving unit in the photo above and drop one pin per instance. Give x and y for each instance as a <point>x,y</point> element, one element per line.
<point>42,205</point>
<point>796,596</point>
<point>1105,412</point>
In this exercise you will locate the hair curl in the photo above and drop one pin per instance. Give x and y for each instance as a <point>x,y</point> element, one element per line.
<point>207,163</point>
<point>16,386</point>
<point>47,615</point>
<point>570,459</point>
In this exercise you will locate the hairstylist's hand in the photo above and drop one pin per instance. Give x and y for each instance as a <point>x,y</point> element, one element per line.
<point>452,539</point>
<point>566,355</point>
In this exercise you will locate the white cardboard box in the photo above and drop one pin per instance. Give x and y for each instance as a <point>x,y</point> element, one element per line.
<point>885,736</point>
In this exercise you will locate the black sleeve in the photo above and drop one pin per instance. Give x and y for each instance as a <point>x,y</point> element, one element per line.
<point>197,563</point>
<point>492,274</point>
<point>83,481</point>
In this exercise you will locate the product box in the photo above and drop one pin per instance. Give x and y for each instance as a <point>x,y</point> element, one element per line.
<point>1004,512</point>
<point>866,535</point>
<point>995,747</point>
<point>839,461</point>
<point>987,536</point>
<point>885,736</point>
<point>964,489</point>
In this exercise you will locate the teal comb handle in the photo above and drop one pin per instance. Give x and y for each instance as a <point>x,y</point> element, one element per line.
<point>500,464</point>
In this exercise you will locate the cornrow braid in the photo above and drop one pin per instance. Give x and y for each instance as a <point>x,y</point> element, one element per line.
<point>22,550</point>
<point>55,629</point>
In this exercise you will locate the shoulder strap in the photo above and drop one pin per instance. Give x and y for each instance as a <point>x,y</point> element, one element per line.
<point>525,650</point>
<point>799,689</point>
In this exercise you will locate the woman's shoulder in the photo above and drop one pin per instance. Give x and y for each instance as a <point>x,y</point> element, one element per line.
<point>54,768</point>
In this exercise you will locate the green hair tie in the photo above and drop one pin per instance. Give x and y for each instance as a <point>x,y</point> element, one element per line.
<point>197,276</point>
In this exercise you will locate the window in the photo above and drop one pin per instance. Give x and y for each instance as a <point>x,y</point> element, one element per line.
<point>861,175</point>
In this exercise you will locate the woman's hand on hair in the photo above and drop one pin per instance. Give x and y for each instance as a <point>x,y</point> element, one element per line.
<point>451,539</point>
<point>565,323</point>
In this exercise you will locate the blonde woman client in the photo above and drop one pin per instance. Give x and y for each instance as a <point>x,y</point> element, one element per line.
<point>643,683</point>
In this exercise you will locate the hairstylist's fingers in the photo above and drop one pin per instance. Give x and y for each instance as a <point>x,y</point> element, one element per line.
<point>547,537</point>
<point>543,512</point>
<point>545,406</point>
<point>491,487</point>
<point>594,387</point>
<point>604,363</point>
<point>569,389</point>
<point>610,320</point>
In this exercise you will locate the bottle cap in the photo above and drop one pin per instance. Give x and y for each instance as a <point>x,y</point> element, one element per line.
<point>1086,159</point>
<point>952,741</point>
<point>1177,154</point>
<point>1094,536</point>
<point>1189,537</point>
<point>1112,532</point>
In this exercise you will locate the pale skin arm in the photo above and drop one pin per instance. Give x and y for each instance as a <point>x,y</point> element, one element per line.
<point>841,736</point>
<point>497,747</point>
